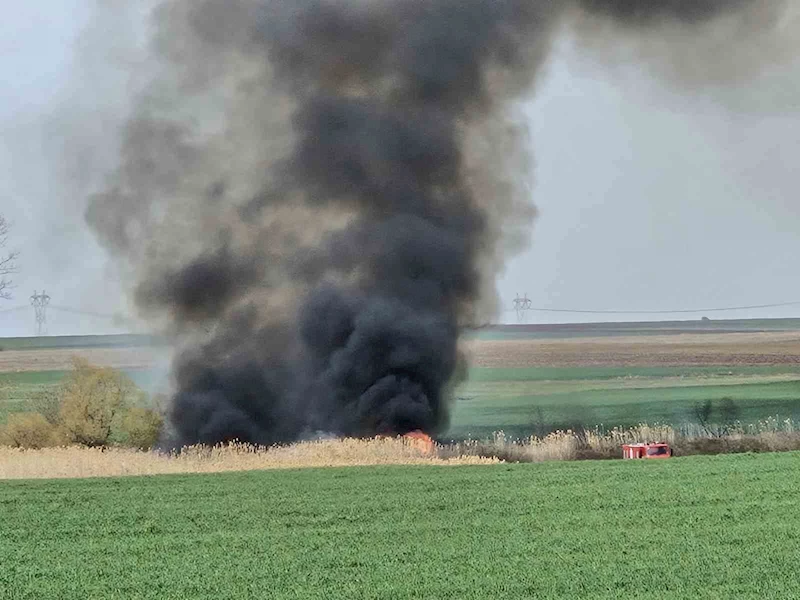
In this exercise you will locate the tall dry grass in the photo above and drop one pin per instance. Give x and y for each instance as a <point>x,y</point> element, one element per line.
<point>771,435</point>
<point>561,445</point>
<point>78,461</point>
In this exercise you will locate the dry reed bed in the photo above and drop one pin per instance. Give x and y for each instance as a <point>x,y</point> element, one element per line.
<point>772,435</point>
<point>78,462</point>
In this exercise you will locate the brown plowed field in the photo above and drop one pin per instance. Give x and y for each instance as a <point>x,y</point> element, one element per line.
<point>770,348</point>
<point>777,348</point>
<point>60,359</point>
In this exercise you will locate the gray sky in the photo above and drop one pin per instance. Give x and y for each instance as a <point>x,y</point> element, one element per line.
<point>659,199</point>
<point>650,196</point>
<point>38,94</point>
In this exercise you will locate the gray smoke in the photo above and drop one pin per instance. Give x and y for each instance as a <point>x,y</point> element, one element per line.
<point>646,12</point>
<point>315,197</point>
<point>698,44</point>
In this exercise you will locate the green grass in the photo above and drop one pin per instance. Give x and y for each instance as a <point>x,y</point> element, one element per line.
<point>579,373</point>
<point>31,378</point>
<point>18,391</point>
<point>539,400</point>
<point>699,527</point>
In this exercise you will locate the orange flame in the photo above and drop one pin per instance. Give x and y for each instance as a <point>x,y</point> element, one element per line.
<point>421,441</point>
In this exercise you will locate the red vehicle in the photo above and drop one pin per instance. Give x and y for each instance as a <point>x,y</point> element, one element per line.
<point>657,450</point>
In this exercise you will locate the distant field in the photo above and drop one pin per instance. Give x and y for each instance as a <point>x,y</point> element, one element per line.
<point>538,400</point>
<point>526,385</point>
<point>682,350</point>
<point>18,391</point>
<point>699,527</point>
<point>493,332</point>
<point>79,341</point>
<point>529,379</point>
<point>577,330</point>
<point>60,359</point>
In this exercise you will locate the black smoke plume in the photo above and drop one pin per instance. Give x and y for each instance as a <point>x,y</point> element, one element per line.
<point>314,196</point>
<point>627,12</point>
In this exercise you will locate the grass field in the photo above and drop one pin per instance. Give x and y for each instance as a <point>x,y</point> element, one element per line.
<point>537,400</point>
<point>18,391</point>
<point>540,399</point>
<point>124,340</point>
<point>699,527</point>
<point>528,379</point>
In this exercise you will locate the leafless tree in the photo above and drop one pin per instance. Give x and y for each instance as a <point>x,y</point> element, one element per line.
<point>8,261</point>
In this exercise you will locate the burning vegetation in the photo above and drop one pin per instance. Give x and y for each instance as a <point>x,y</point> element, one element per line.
<point>314,197</point>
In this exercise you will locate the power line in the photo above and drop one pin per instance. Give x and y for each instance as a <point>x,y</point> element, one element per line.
<point>97,315</point>
<point>657,312</point>
<point>520,305</point>
<point>88,313</point>
<point>8,310</point>
<point>41,303</point>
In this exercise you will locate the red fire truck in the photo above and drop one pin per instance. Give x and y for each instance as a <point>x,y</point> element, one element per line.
<point>657,450</point>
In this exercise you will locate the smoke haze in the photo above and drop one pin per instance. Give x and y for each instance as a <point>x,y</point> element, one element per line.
<point>314,197</point>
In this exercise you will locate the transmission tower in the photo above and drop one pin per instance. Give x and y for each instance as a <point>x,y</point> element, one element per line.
<point>521,306</point>
<point>40,302</point>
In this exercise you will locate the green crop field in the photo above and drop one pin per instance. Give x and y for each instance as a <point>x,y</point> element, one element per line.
<point>539,400</point>
<point>19,391</point>
<point>529,401</point>
<point>79,341</point>
<point>698,527</point>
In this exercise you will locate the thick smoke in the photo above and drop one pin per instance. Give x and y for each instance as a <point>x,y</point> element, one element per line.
<point>316,195</point>
<point>646,12</point>
<point>697,44</point>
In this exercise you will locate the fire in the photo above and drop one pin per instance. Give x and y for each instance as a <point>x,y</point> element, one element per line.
<point>420,440</point>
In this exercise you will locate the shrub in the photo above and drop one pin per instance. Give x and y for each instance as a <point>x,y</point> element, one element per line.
<point>92,399</point>
<point>47,402</point>
<point>728,411</point>
<point>141,427</point>
<point>702,414</point>
<point>29,430</point>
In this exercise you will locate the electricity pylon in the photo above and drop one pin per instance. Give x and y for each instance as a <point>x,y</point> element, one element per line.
<point>521,305</point>
<point>40,302</point>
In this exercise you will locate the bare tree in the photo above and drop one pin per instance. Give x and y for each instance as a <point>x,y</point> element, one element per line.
<point>8,261</point>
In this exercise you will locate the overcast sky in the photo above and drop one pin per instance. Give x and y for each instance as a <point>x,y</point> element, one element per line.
<point>651,197</point>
